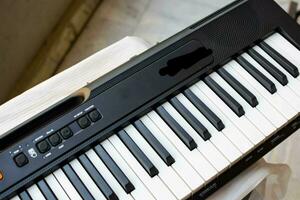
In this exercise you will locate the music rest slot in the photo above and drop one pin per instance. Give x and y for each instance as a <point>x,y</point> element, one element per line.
<point>44,118</point>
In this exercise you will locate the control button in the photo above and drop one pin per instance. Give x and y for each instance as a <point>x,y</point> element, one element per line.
<point>55,139</point>
<point>66,132</point>
<point>20,160</point>
<point>83,122</point>
<point>1,176</point>
<point>94,115</point>
<point>43,146</point>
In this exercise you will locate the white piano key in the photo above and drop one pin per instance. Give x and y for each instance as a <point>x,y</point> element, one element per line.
<point>56,187</point>
<point>268,110</point>
<point>154,184</point>
<point>195,158</point>
<point>285,48</point>
<point>249,130</point>
<point>273,99</point>
<point>15,198</point>
<point>294,83</point>
<point>109,178</point>
<point>166,174</point>
<point>205,147</point>
<point>258,119</point>
<point>217,138</point>
<point>66,184</point>
<point>181,165</point>
<point>35,193</point>
<point>284,92</point>
<point>87,180</point>
<point>230,130</point>
<point>140,191</point>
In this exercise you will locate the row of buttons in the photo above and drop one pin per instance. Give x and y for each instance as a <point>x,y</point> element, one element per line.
<point>84,122</point>
<point>57,138</point>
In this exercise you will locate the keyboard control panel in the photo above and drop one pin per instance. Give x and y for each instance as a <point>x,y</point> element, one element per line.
<point>44,146</point>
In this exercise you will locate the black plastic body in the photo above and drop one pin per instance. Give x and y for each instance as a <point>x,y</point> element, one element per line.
<point>141,84</point>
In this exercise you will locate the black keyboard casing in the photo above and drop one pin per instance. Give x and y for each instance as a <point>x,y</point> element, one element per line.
<point>137,87</point>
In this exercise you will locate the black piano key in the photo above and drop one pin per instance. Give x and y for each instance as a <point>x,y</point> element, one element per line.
<point>97,177</point>
<point>155,144</point>
<point>114,169</point>
<point>47,192</point>
<point>260,77</point>
<point>138,154</point>
<point>214,119</point>
<point>195,123</point>
<point>238,87</point>
<point>285,63</point>
<point>74,179</point>
<point>229,100</point>
<point>269,67</point>
<point>24,195</point>
<point>179,131</point>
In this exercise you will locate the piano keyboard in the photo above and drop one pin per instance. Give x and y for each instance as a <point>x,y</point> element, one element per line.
<point>177,122</point>
<point>174,150</point>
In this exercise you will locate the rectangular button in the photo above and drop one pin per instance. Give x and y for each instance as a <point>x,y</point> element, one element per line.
<point>43,146</point>
<point>83,122</point>
<point>21,159</point>
<point>94,115</point>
